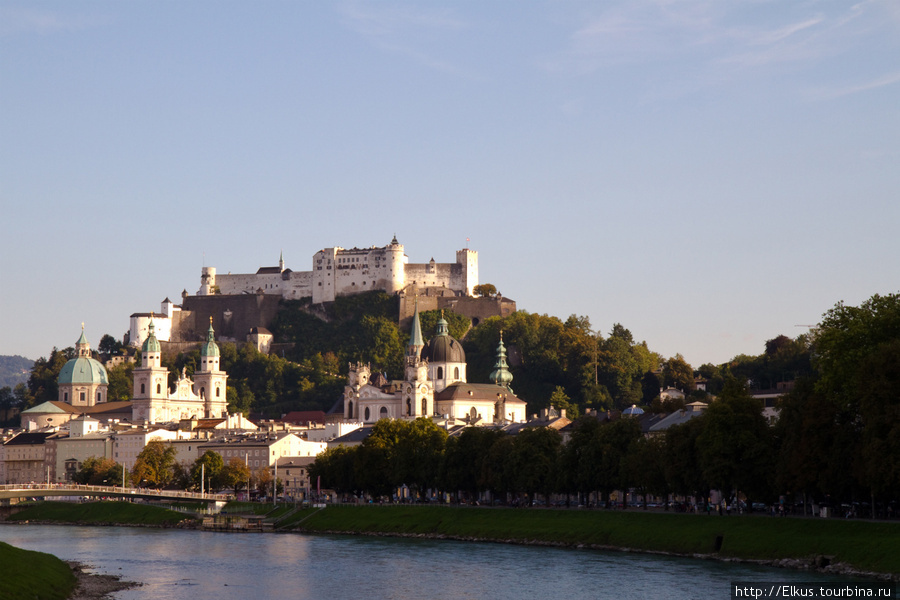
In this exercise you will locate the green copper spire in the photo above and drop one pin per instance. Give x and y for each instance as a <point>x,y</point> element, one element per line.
<point>415,337</point>
<point>151,344</point>
<point>210,348</point>
<point>501,375</point>
<point>443,328</point>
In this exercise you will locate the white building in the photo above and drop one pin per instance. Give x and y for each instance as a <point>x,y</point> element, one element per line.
<point>339,271</point>
<point>139,324</point>
<point>204,397</point>
<point>435,386</point>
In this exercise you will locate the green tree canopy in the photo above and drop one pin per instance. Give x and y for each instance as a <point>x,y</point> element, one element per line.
<point>154,466</point>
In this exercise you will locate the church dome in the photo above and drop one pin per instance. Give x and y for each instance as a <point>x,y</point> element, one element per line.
<point>443,347</point>
<point>83,370</point>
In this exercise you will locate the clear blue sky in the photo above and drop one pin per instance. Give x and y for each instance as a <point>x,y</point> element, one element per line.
<point>709,174</point>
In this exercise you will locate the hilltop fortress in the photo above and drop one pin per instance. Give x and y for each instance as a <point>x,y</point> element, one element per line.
<point>242,306</point>
<point>340,272</point>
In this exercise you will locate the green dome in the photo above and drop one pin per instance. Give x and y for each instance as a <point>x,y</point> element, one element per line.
<point>151,344</point>
<point>83,370</point>
<point>210,348</point>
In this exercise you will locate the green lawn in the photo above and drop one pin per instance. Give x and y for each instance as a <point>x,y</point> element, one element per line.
<point>28,575</point>
<point>94,513</point>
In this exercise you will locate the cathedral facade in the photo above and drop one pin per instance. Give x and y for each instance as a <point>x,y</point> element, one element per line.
<point>203,397</point>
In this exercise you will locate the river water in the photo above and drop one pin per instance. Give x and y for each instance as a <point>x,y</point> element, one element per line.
<point>194,565</point>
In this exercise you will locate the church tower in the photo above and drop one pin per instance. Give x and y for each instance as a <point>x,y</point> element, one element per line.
<point>209,381</point>
<point>501,375</point>
<point>418,389</point>
<point>151,381</point>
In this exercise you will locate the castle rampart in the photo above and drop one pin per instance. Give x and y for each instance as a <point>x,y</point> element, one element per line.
<point>340,271</point>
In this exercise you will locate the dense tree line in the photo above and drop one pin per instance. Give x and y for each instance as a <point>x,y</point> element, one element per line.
<point>730,448</point>
<point>836,441</point>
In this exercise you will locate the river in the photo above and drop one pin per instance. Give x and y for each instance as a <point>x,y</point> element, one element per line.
<point>193,565</point>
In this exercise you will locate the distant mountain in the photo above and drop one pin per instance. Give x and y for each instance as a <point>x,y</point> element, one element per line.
<point>14,370</point>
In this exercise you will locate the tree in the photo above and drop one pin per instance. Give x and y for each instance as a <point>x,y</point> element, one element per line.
<point>465,456</point>
<point>856,353</point>
<point>109,345</point>
<point>208,466</point>
<point>457,324</point>
<point>235,474</point>
<point>485,290</point>
<point>561,401</point>
<point>42,383</point>
<point>334,468</point>
<point>154,465</point>
<point>806,435</point>
<point>100,471</point>
<point>678,373</point>
<point>535,457</point>
<point>121,382</point>
<point>735,446</point>
<point>684,474</point>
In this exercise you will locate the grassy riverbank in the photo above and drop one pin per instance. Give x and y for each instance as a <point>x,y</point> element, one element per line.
<point>99,513</point>
<point>29,575</point>
<point>866,546</point>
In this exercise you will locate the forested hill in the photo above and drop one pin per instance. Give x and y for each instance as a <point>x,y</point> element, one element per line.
<point>14,370</point>
<point>564,363</point>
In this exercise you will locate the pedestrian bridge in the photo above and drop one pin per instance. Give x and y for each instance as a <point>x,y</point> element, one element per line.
<point>11,493</point>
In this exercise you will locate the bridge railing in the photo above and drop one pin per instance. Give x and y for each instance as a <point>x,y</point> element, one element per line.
<point>78,489</point>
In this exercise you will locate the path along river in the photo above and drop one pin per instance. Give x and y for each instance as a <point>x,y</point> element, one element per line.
<point>195,565</point>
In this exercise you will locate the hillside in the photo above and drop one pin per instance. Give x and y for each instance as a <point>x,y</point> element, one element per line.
<point>14,370</point>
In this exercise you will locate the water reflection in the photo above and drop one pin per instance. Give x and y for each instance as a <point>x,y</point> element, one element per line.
<point>190,565</point>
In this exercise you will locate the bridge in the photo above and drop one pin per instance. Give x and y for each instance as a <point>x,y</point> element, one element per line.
<point>11,492</point>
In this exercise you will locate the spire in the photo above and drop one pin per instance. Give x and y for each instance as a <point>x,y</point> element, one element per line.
<point>442,325</point>
<point>415,336</point>
<point>501,375</point>
<point>281,260</point>
<point>210,348</point>
<point>82,347</point>
<point>151,344</point>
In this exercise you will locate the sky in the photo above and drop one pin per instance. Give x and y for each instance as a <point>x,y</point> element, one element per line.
<point>708,174</point>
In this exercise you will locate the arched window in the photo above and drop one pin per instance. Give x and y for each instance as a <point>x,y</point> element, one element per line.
<point>383,412</point>
<point>158,388</point>
<point>367,413</point>
<point>350,409</point>
<point>66,397</point>
<point>142,389</point>
<point>408,407</point>
<point>473,414</point>
<point>425,407</point>
<point>440,374</point>
<point>218,392</point>
<point>98,398</point>
<point>82,396</point>
<point>456,373</point>
<point>202,393</point>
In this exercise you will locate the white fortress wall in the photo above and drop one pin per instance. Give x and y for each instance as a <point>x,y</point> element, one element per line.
<point>339,271</point>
